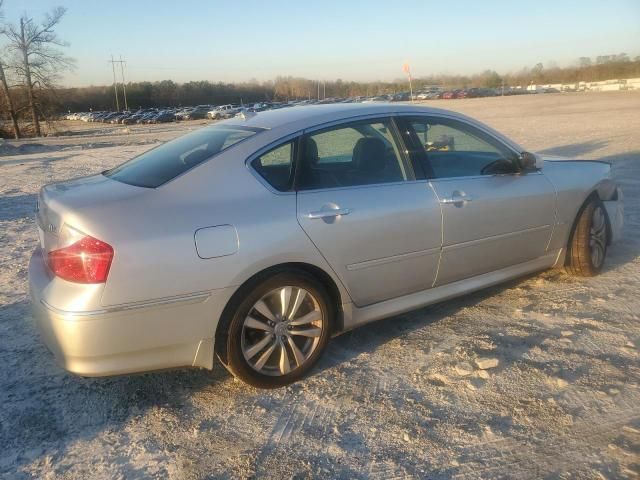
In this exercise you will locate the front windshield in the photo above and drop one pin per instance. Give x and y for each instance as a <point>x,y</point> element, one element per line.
<point>161,164</point>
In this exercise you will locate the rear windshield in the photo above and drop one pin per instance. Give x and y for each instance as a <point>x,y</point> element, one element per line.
<point>161,164</point>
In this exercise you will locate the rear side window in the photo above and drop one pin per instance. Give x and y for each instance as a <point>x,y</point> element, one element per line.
<point>360,153</point>
<point>161,164</point>
<point>276,166</point>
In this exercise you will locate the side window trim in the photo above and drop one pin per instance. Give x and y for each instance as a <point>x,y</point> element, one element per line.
<point>407,163</point>
<point>413,149</point>
<point>483,135</point>
<point>294,139</point>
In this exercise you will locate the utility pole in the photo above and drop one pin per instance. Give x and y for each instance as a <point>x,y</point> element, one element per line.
<point>115,83</point>
<point>318,90</point>
<point>407,70</point>
<point>324,89</point>
<point>124,85</point>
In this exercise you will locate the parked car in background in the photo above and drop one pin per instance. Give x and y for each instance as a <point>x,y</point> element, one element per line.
<point>401,97</point>
<point>197,113</point>
<point>209,246</point>
<point>180,114</point>
<point>131,119</point>
<point>164,117</point>
<point>223,111</point>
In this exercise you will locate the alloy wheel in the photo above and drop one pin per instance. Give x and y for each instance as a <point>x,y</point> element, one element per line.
<point>282,330</point>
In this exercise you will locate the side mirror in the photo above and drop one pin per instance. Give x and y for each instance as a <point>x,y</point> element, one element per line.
<point>530,162</point>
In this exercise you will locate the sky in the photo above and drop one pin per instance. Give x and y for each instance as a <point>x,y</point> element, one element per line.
<point>365,40</point>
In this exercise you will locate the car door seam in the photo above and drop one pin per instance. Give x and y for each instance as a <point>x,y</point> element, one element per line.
<point>435,278</point>
<point>555,213</point>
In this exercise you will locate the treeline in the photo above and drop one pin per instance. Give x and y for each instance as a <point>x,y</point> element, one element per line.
<point>167,93</point>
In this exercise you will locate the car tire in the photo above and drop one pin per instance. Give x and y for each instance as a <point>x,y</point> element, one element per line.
<point>587,247</point>
<point>270,341</point>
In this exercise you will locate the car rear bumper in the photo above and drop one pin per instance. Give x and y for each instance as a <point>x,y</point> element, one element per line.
<point>160,334</point>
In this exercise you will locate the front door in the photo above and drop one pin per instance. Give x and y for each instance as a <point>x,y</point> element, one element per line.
<point>357,201</point>
<point>493,215</point>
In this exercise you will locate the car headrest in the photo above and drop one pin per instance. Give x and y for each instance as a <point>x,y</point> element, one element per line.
<point>311,151</point>
<point>369,154</point>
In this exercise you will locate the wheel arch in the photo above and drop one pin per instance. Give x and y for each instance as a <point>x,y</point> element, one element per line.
<point>220,345</point>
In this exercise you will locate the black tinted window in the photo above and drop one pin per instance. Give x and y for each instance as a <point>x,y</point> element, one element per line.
<point>275,166</point>
<point>161,164</point>
<point>454,149</point>
<point>361,153</point>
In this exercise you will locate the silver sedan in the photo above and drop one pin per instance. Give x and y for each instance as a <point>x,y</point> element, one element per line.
<point>258,238</point>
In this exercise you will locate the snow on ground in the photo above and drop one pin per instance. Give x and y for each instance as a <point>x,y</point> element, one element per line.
<point>538,378</point>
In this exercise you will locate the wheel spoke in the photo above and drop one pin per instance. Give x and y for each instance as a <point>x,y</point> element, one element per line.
<point>264,310</point>
<point>308,332</point>
<point>257,324</point>
<point>252,351</point>
<point>296,352</point>
<point>285,297</point>
<point>308,318</point>
<point>265,356</point>
<point>599,241</point>
<point>297,302</point>
<point>285,367</point>
<point>598,231</point>
<point>597,252</point>
<point>597,222</point>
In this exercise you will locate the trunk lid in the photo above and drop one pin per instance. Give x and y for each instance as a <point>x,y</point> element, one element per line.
<point>80,203</point>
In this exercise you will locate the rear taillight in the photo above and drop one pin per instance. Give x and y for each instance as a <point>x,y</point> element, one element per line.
<point>82,259</point>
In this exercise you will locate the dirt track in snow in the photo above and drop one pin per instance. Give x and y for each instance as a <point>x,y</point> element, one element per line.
<point>402,398</point>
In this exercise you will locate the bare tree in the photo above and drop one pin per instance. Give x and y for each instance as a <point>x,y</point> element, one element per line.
<point>5,87</point>
<point>9,101</point>
<point>37,60</point>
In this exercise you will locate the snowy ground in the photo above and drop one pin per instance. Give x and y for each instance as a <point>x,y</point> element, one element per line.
<point>402,398</point>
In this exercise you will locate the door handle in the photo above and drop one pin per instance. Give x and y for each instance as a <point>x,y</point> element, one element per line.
<point>329,213</point>
<point>457,199</point>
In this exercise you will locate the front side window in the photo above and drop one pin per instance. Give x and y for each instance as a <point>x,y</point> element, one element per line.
<point>161,164</point>
<point>453,149</point>
<point>275,166</point>
<point>360,153</point>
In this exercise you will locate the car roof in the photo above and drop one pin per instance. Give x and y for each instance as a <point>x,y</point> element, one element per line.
<point>310,115</point>
<point>290,120</point>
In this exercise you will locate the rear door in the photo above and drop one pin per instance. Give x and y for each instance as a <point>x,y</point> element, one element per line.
<point>358,201</point>
<point>494,215</point>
